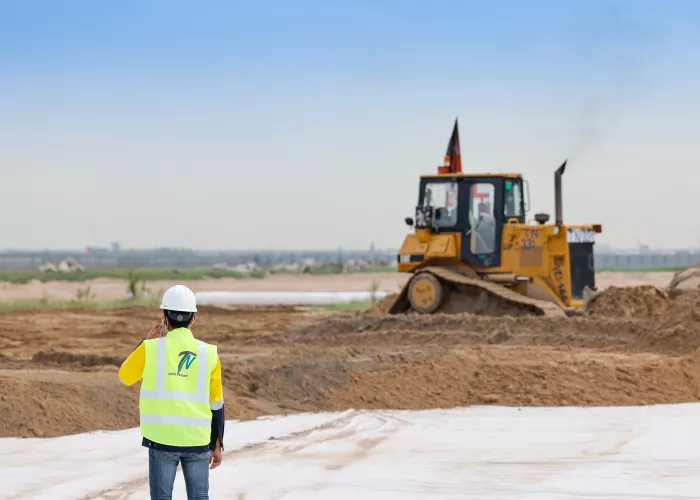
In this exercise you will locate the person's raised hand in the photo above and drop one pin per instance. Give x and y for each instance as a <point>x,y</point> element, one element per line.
<point>154,331</point>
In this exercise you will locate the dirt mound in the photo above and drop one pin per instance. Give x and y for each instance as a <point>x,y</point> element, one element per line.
<point>685,280</point>
<point>59,370</point>
<point>87,360</point>
<point>664,324</point>
<point>676,329</point>
<point>629,302</point>
<point>301,383</point>
<point>53,403</point>
<point>445,330</point>
<point>382,306</point>
<point>524,377</point>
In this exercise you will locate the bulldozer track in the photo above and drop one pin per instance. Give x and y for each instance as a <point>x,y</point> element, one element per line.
<point>528,304</point>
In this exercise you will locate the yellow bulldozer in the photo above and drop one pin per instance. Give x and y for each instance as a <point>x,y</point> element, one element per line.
<point>473,250</point>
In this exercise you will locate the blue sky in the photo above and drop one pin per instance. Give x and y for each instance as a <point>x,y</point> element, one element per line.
<point>254,124</point>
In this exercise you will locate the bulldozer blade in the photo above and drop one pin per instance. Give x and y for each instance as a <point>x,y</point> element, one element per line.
<point>588,295</point>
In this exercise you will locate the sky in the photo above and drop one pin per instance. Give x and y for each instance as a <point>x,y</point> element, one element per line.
<point>306,125</point>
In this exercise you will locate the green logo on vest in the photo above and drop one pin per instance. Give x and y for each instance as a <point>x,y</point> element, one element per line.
<point>186,360</point>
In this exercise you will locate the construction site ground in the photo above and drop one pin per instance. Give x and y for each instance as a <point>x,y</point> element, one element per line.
<point>58,368</point>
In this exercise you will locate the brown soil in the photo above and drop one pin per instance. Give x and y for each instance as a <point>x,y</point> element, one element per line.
<point>58,368</point>
<point>631,302</point>
<point>382,306</point>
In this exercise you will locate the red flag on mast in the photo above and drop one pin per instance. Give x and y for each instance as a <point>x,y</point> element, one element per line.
<point>453,158</point>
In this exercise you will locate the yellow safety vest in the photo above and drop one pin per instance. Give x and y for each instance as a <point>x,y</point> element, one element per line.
<point>174,401</point>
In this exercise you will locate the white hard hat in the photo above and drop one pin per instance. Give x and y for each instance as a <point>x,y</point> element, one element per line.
<point>179,298</point>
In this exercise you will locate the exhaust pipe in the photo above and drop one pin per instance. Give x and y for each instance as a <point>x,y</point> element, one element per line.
<point>558,204</point>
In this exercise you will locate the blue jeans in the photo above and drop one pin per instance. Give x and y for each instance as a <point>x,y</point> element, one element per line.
<point>162,466</point>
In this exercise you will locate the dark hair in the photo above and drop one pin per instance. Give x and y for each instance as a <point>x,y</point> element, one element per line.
<point>178,319</point>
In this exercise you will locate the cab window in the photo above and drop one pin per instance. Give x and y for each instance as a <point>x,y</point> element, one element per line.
<point>513,206</point>
<point>442,196</point>
<point>482,220</point>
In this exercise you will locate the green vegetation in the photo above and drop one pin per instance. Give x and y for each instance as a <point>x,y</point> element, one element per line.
<point>47,303</point>
<point>125,274</point>
<point>334,270</point>
<point>373,289</point>
<point>141,275</point>
<point>84,294</point>
<point>362,305</point>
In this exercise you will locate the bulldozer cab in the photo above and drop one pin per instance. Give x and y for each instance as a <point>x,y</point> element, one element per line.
<point>476,207</point>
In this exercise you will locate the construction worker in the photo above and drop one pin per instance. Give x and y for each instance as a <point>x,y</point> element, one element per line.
<point>181,402</point>
<point>484,230</point>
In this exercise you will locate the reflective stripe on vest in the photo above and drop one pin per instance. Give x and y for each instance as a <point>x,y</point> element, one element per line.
<point>174,403</point>
<point>167,419</point>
